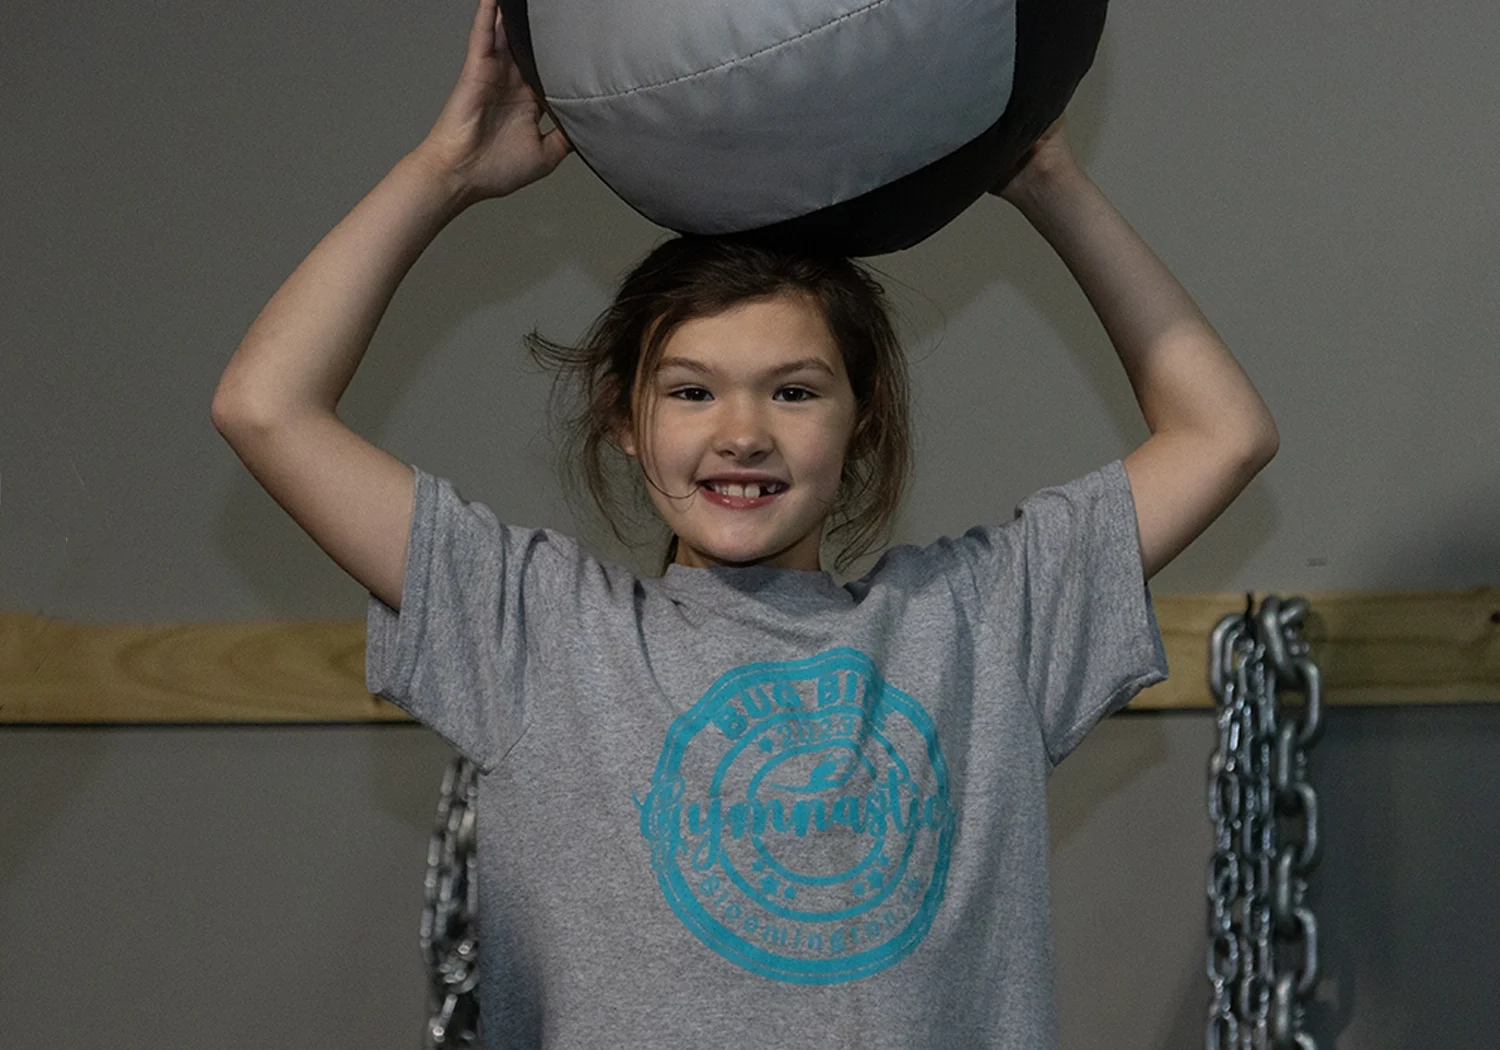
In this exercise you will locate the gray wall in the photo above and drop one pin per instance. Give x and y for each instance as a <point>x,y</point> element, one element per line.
<point>1319,175</point>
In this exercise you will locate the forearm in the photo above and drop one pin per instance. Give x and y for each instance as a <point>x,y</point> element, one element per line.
<point>307,343</point>
<point>1184,376</point>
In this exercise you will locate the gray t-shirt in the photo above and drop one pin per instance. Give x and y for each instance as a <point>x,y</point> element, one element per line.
<point>756,807</point>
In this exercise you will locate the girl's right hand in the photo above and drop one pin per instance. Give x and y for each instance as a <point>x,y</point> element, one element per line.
<point>1048,159</point>
<point>488,137</point>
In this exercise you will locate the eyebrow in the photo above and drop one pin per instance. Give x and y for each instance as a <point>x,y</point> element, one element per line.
<point>802,363</point>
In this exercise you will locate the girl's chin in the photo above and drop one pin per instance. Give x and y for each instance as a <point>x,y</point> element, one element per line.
<point>723,559</point>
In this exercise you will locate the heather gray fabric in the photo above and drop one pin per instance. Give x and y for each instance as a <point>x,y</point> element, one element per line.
<point>755,807</point>
<point>819,102</point>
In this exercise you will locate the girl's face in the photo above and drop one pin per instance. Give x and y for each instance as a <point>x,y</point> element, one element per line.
<point>755,396</point>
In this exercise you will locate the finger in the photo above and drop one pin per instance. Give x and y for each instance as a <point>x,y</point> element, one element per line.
<point>482,32</point>
<point>555,146</point>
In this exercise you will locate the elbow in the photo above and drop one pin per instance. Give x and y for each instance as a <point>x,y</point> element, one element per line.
<point>232,416</point>
<point>1243,449</point>
<point>218,414</point>
<point>1258,444</point>
<point>1268,441</point>
<point>224,414</point>
<point>235,407</point>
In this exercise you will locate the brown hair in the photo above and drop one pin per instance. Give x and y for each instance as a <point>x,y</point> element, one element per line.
<point>687,277</point>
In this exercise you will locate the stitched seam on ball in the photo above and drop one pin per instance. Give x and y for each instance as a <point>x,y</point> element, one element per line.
<point>722,65</point>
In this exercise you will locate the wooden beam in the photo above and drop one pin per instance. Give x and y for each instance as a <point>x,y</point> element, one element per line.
<point>53,671</point>
<point>1372,647</point>
<point>1405,647</point>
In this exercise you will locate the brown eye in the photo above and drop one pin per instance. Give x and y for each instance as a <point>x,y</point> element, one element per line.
<point>796,393</point>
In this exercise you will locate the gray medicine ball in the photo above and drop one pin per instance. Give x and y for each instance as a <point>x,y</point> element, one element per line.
<point>850,127</point>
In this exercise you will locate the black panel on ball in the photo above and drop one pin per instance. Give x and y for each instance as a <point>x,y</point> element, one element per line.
<point>1055,45</point>
<point>517,19</point>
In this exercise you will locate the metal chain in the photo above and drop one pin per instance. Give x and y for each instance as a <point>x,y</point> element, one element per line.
<point>450,912</point>
<point>1263,939</point>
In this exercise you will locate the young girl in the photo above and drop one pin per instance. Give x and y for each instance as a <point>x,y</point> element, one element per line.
<point>740,804</point>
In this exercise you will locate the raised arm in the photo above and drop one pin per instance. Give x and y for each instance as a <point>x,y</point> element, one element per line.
<point>1210,431</point>
<point>276,401</point>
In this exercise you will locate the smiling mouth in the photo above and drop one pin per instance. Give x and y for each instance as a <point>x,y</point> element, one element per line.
<point>752,490</point>
<point>741,497</point>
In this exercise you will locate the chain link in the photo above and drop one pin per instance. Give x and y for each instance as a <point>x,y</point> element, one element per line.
<point>1262,937</point>
<point>450,913</point>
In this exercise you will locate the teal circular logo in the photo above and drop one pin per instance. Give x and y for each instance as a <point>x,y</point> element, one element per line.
<point>799,819</point>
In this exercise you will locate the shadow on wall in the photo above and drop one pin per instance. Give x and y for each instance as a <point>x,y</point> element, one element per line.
<point>1111,770</point>
<point>1129,839</point>
<point>41,793</point>
<point>1405,895</point>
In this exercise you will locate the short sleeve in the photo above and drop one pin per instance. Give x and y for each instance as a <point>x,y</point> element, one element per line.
<point>474,601</point>
<point>1065,577</point>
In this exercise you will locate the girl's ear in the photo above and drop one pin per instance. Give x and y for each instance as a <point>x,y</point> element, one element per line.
<point>859,441</point>
<point>622,436</point>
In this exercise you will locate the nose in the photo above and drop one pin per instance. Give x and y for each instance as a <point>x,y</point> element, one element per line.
<point>742,431</point>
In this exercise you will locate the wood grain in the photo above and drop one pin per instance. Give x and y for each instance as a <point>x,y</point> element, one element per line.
<point>309,671</point>
<point>1373,648</point>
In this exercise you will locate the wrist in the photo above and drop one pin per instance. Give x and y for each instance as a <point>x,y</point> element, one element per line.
<point>1041,191</point>
<point>440,177</point>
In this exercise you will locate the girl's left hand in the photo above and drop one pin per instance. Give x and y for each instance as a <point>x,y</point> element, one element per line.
<point>488,134</point>
<point>1049,157</point>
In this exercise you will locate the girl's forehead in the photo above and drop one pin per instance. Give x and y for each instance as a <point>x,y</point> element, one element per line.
<point>782,335</point>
